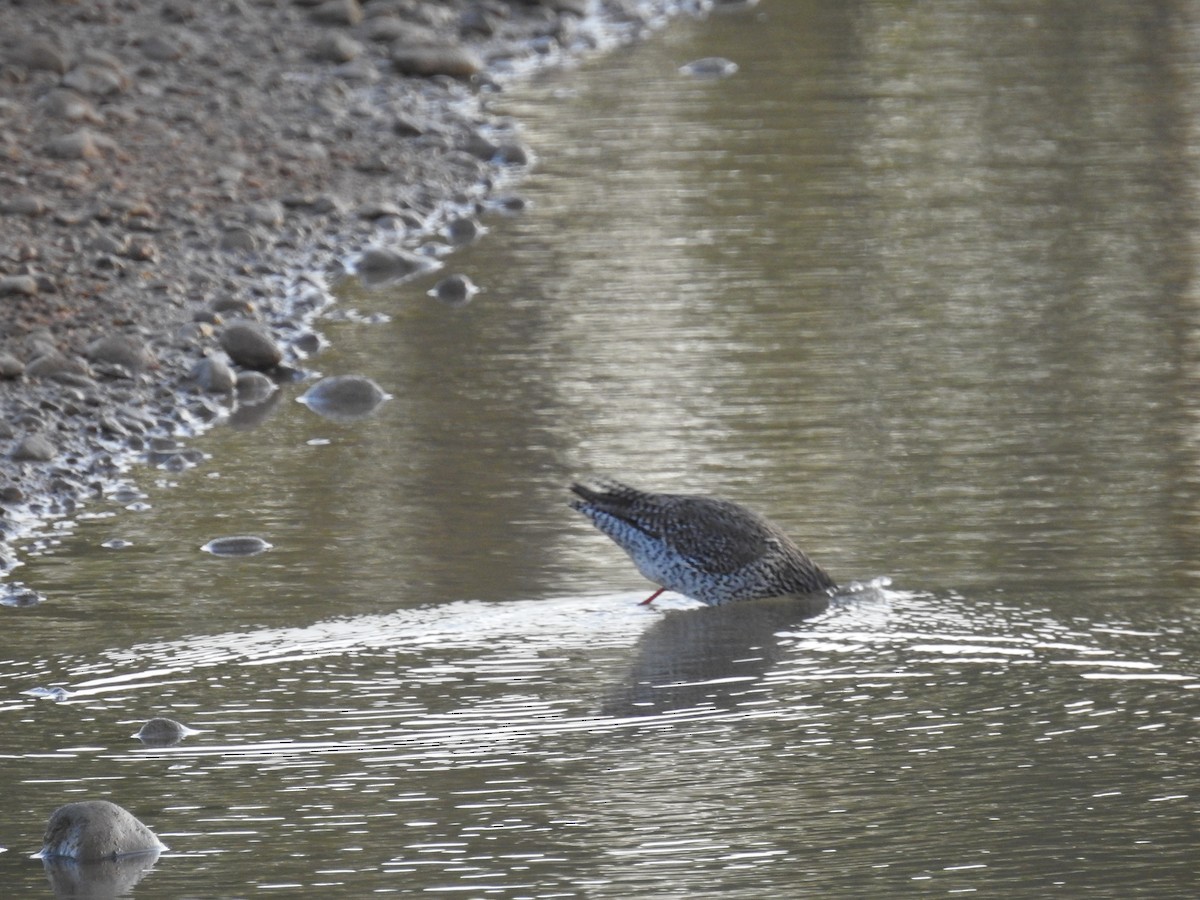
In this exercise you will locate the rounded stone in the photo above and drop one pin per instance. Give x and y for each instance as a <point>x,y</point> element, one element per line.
<point>24,285</point>
<point>710,67</point>
<point>39,54</point>
<point>238,240</point>
<point>162,732</point>
<point>29,205</point>
<point>337,48</point>
<point>378,265</point>
<point>436,59</point>
<point>212,376</point>
<point>33,448</point>
<point>249,344</point>
<point>121,350</point>
<point>95,830</point>
<point>240,545</point>
<point>99,80</point>
<point>456,290</point>
<point>55,365</point>
<point>253,388</point>
<point>344,397</point>
<point>338,12</point>
<point>81,144</point>
<point>463,230</point>
<point>10,366</point>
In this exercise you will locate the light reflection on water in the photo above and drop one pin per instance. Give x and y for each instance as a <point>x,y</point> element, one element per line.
<point>915,283</point>
<point>606,747</point>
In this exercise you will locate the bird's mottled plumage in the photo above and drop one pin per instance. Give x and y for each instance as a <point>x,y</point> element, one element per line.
<point>711,550</point>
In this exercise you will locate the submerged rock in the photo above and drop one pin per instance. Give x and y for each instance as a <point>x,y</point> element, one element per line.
<point>455,290</point>
<point>162,732</point>
<point>344,398</point>
<point>34,448</point>
<point>253,388</point>
<point>94,830</point>
<point>241,545</point>
<point>379,265</point>
<point>710,67</point>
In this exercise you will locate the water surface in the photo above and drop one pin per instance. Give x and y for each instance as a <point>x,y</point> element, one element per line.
<point>916,282</point>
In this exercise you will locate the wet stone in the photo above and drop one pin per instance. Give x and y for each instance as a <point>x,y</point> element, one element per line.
<point>337,48</point>
<point>710,67</point>
<point>253,388</point>
<point>379,265</point>
<point>160,48</point>
<point>22,285</point>
<point>240,545</point>
<point>96,79</point>
<point>162,732</point>
<point>212,376</point>
<point>238,240</point>
<point>55,365</point>
<point>94,830</point>
<point>269,213</point>
<point>33,448</point>
<point>338,12</point>
<point>463,231</point>
<point>81,144</point>
<point>455,290</point>
<point>436,59</point>
<point>24,205</point>
<point>249,344</point>
<point>344,397</point>
<point>39,54</point>
<point>18,596</point>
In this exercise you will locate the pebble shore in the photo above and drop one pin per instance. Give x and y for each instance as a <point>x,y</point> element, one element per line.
<point>179,177</point>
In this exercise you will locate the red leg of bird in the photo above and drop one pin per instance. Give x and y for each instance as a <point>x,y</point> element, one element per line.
<point>650,599</point>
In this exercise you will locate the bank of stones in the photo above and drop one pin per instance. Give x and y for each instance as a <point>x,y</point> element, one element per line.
<point>177,176</point>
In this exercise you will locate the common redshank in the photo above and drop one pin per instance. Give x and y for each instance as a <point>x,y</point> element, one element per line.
<point>711,550</point>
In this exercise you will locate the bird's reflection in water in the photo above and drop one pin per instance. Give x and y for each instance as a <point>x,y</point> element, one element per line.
<point>708,657</point>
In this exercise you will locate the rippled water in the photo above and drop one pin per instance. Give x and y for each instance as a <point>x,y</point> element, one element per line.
<point>917,282</point>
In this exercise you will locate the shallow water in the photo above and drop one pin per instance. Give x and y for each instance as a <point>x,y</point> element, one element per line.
<point>916,282</point>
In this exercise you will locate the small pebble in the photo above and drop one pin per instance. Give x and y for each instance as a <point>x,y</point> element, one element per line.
<point>162,732</point>
<point>455,290</point>
<point>436,59</point>
<point>344,398</point>
<point>710,67</point>
<point>250,344</point>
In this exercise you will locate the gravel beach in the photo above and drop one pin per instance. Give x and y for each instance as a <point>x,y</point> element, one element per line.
<point>179,179</point>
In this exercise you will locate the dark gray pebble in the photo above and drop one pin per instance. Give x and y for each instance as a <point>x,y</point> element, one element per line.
<point>212,376</point>
<point>710,67</point>
<point>241,545</point>
<point>162,732</point>
<point>10,366</point>
<point>249,344</point>
<point>378,265</point>
<point>463,231</point>
<point>456,290</point>
<point>344,398</point>
<point>121,350</point>
<point>253,388</point>
<point>33,448</point>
